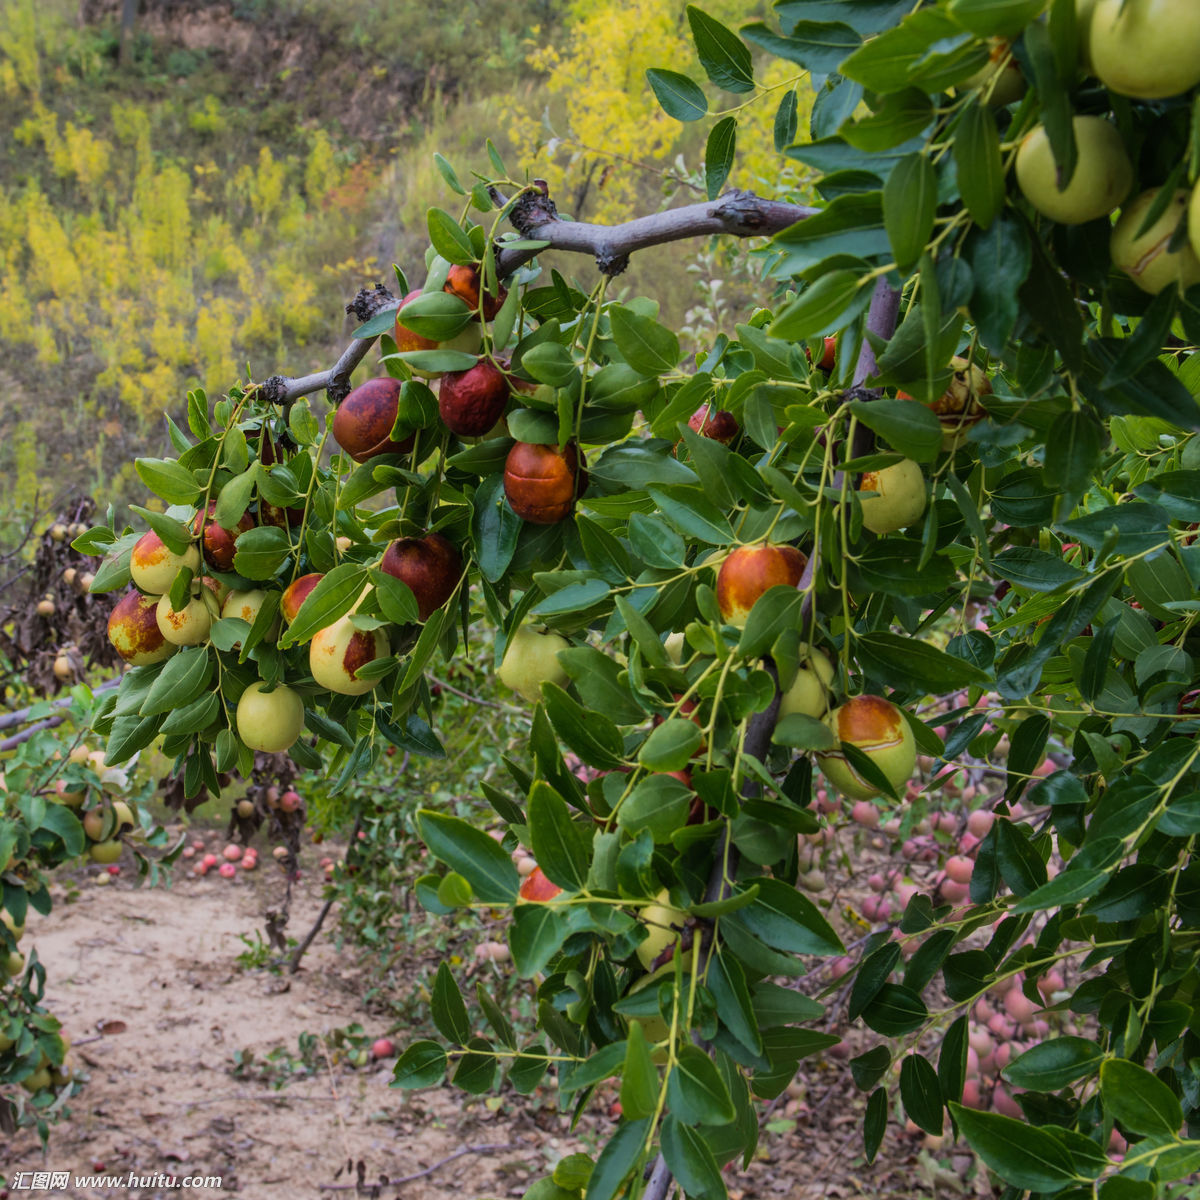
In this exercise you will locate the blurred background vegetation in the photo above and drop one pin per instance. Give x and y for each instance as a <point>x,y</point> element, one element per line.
<point>197,199</point>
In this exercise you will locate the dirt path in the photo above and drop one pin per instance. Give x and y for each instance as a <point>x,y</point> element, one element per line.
<point>161,1096</point>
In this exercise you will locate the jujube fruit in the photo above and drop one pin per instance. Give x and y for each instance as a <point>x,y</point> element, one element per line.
<point>1148,49</point>
<point>153,566</point>
<point>134,633</point>
<point>879,729</point>
<point>429,565</point>
<point>541,482</point>
<point>339,651</point>
<point>749,571</point>
<point>470,402</point>
<point>362,425</point>
<point>1102,178</point>
<point>1147,258</point>
<point>900,496</point>
<point>270,721</point>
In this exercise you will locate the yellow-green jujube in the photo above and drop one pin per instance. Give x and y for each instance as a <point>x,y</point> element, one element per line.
<point>877,728</point>
<point>270,721</point>
<point>531,659</point>
<point>1147,49</point>
<point>899,500</point>
<point>1147,258</point>
<point>1102,178</point>
<point>663,925</point>
<point>1084,10</point>
<point>808,694</point>
<point>1194,220</point>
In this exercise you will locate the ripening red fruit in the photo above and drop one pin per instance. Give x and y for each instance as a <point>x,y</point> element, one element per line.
<point>429,565</point>
<point>133,630</point>
<point>541,482</point>
<point>464,282</point>
<point>219,543</point>
<point>714,423</point>
<point>537,887</point>
<point>470,402</point>
<point>751,570</point>
<point>828,354</point>
<point>363,422</point>
<point>296,593</point>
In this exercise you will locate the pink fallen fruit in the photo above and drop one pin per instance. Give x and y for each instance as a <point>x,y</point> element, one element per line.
<point>289,801</point>
<point>968,843</point>
<point>954,893</point>
<point>114,869</point>
<point>876,882</point>
<point>197,845</point>
<point>960,869</point>
<point>1018,1005</point>
<point>383,1048</point>
<point>232,853</point>
<point>971,1095</point>
<point>248,863</point>
<point>865,813</point>
<point>1005,1105</point>
<point>188,852</point>
<point>199,869</point>
<point>210,861</point>
<point>227,869</point>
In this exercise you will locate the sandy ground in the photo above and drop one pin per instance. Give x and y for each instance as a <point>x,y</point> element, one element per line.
<point>161,1097</point>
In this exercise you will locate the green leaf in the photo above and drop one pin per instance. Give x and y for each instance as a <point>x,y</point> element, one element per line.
<point>816,311</point>
<point>648,347</point>
<point>696,1093</point>
<point>469,851</point>
<point>438,361</point>
<point>875,1123</point>
<point>167,478</point>
<point>902,662</point>
<point>995,18</point>
<point>817,46</point>
<point>690,1160</point>
<point>617,1160</point>
<point>333,597</point>
<point>561,845</point>
<point>1138,1099</point>
<point>775,611</point>
<point>724,57</point>
<point>1073,448</point>
<point>899,119</point>
<point>911,428</point>
<point>260,552</point>
<point>718,155</point>
<point>422,1065</point>
<point>978,162</point>
<point>678,95</point>
<point>909,208</point>
<point>785,120</point>
<point>447,1008</point>
<point>235,498</point>
<point>671,745</point>
<point>787,921</point>
<point>999,258</point>
<point>437,315</point>
<point>1021,1154</point>
<point>639,1078</point>
<point>183,677</point>
<point>449,239</point>
<point>1054,1064</point>
<point>536,936</point>
<point>64,824</point>
<point>922,1094</point>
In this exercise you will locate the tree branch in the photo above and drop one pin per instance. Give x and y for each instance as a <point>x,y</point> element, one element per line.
<point>737,213</point>
<point>535,216</point>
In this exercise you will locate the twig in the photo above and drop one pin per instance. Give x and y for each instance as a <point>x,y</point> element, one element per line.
<point>11,743</point>
<point>21,715</point>
<point>441,1162</point>
<point>298,953</point>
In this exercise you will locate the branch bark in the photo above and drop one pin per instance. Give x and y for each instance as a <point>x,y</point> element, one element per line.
<point>535,216</point>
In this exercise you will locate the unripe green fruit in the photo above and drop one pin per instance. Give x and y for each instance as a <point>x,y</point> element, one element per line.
<point>1146,259</point>
<point>1002,74</point>
<point>675,645</point>
<point>1147,49</point>
<point>877,728</point>
<point>106,852</point>
<point>1194,220</point>
<point>270,721</point>
<point>1102,179</point>
<point>39,1081</point>
<point>12,964</point>
<point>900,498</point>
<point>809,692</point>
<point>531,659</point>
<point>1084,10</point>
<point>246,606</point>
<point>663,924</point>
<point>6,919</point>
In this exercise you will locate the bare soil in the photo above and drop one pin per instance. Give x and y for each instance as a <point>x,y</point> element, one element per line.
<point>161,1096</point>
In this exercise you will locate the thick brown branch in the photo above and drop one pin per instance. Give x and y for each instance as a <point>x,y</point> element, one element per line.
<point>736,213</point>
